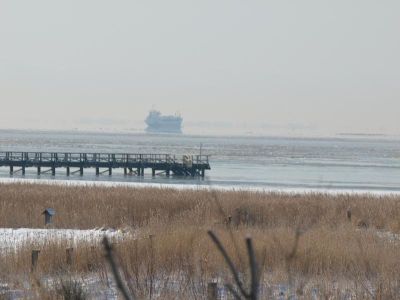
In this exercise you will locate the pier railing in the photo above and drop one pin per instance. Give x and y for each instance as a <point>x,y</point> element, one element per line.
<point>69,157</point>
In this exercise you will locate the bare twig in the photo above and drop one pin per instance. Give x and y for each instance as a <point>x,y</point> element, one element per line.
<point>235,294</point>
<point>290,257</point>
<point>111,259</point>
<point>226,217</point>
<point>253,295</point>
<point>253,269</point>
<point>228,260</point>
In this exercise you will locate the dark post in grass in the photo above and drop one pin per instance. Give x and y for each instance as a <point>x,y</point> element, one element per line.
<point>349,214</point>
<point>69,255</point>
<point>212,291</point>
<point>35,258</point>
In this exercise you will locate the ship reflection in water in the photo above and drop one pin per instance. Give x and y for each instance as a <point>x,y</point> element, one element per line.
<point>156,122</point>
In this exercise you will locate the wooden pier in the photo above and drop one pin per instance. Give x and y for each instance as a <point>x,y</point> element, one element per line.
<point>132,164</point>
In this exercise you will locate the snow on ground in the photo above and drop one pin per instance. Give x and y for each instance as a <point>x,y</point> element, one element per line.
<point>14,238</point>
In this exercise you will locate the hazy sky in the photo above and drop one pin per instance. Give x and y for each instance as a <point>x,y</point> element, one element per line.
<point>262,66</point>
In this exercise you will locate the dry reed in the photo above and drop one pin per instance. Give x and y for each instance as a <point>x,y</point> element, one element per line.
<point>171,255</point>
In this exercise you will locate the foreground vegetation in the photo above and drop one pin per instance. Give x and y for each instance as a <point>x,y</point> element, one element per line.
<point>330,247</point>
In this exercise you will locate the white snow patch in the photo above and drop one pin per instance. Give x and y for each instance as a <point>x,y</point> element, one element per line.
<point>14,238</point>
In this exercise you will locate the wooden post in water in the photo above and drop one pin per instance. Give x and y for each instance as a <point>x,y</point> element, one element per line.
<point>39,170</point>
<point>53,171</point>
<point>68,171</point>
<point>81,171</point>
<point>110,171</point>
<point>97,171</point>
<point>11,170</point>
<point>35,258</point>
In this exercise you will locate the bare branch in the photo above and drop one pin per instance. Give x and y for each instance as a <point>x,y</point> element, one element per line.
<point>253,270</point>
<point>235,294</point>
<point>111,259</point>
<point>229,262</point>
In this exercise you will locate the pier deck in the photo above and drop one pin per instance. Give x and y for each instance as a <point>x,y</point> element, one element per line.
<point>133,164</point>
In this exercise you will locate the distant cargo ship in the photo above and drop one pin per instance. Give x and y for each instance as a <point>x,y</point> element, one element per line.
<point>156,122</point>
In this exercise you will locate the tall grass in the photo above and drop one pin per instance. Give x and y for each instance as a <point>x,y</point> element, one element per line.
<point>171,255</point>
<point>21,205</point>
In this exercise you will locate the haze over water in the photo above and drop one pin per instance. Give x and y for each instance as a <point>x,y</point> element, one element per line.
<point>271,163</point>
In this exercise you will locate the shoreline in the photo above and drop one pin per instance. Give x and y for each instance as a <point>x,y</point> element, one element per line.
<point>196,134</point>
<point>197,187</point>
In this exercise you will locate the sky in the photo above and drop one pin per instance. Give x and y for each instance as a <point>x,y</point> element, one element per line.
<point>236,66</point>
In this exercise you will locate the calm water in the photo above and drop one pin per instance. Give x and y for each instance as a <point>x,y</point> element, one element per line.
<point>268,163</point>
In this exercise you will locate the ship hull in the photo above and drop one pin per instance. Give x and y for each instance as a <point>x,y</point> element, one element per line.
<point>156,123</point>
<point>163,129</point>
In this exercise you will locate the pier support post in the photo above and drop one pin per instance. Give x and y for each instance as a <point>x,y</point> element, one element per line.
<point>97,171</point>
<point>109,171</point>
<point>203,173</point>
<point>53,171</point>
<point>153,172</point>
<point>81,171</point>
<point>39,170</point>
<point>130,171</point>
<point>138,171</point>
<point>125,171</point>
<point>68,171</point>
<point>142,172</point>
<point>23,170</point>
<point>11,170</point>
<point>168,172</point>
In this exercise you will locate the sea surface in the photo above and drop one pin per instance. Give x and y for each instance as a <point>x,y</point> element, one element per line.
<point>268,163</point>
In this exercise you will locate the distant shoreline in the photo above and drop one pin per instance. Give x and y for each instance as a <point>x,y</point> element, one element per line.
<point>142,132</point>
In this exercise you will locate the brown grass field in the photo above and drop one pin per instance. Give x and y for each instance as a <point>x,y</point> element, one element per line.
<point>170,255</point>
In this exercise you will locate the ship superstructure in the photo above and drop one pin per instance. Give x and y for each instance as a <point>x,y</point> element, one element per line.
<point>156,122</point>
